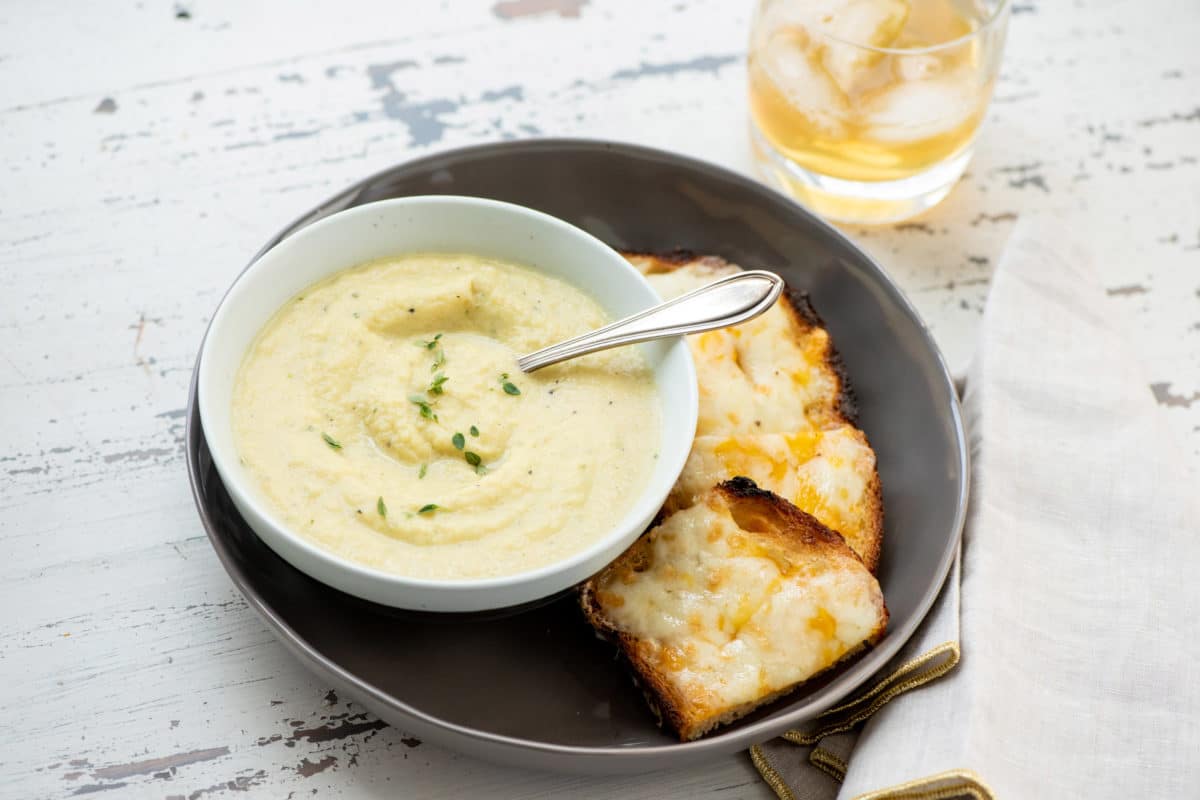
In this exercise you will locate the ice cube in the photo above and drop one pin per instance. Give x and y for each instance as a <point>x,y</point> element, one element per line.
<point>772,16</point>
<point>913,110</point>
<point>800,78</point>
<point>786,13</point>
<point>817,17</point>
<point>874,23</point>
<point>851,30</point>
<point>920,66</point>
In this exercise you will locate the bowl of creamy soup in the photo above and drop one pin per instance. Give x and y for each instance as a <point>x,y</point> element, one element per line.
<point>359,394</point>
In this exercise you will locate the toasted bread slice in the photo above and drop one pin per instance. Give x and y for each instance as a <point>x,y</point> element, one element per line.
<point>731,603</point>
<point>828,473</point>
<point>777,373</point>
<point>775,406</point>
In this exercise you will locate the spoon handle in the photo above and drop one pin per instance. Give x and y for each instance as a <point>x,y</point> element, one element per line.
<point>728,301</point>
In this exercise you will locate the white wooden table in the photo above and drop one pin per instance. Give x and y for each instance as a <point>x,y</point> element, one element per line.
<point>150,149</point>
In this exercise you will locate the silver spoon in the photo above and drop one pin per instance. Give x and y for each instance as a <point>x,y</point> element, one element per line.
<point>728,301</point>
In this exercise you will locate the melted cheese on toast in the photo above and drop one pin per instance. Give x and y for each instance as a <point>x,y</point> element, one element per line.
<point>772,408</point>
<point>769,375</point>
<point>733,601</point>
<point>741,593</point>
<point>828,473</point>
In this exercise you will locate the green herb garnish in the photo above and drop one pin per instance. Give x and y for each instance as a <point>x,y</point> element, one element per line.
<point>438,361</point>
<point>435,387</point>
<point>474,431</point>
<point>332,442</point>
<point>508,386</point>
<point>427,508</point>
<point>422,404</point>
<point>459,441</point>
<point>421,472</point>
<point>472,458</point>
<point>432,343</point>
<point>381,507</point>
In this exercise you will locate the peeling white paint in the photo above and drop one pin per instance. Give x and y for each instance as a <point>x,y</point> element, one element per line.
<point>148,155</point>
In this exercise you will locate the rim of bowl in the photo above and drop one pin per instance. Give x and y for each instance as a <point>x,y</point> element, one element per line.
<point>240,491</point>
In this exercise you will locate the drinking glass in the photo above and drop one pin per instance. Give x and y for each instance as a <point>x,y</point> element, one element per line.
<point>867,110</point>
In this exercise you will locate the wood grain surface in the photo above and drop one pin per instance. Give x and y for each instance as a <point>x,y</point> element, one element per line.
<point>150,148</point>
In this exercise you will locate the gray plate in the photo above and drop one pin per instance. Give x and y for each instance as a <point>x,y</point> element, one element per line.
<point>536,688</point>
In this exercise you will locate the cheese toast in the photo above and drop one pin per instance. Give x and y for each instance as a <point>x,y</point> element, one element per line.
<point>731,603</point>
<point>776,373</point>
<point>827,473</point>
<point>775,406</point>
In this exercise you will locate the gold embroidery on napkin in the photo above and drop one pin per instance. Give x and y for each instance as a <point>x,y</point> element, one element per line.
<point>769,775</point>
<point>841,719</point>
<point>916,672</point>
<point>943,786</point>
<point>828,763</point>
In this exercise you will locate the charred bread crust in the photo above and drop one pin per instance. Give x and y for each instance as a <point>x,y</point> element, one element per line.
<point>777,518</point>
<point>871,544</point>
<point>801,305</point>
<point>868,544</point>
<point>672,259</point>
<point>744,488</point>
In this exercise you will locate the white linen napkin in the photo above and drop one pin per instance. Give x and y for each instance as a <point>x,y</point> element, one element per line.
<point>1076,604</point>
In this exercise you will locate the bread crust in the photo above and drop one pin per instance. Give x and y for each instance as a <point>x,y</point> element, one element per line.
<point>870,545</point>
<point>799,305</point>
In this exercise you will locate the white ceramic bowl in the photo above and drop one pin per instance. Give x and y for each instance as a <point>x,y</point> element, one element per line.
<point>438,224</point>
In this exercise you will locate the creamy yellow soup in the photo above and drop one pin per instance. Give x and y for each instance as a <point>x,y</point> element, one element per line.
<point>381,414</point>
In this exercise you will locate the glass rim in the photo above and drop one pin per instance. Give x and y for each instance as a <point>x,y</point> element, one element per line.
<point>1001,8</point>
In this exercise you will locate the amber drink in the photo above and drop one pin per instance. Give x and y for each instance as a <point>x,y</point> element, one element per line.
<point>867,110</point>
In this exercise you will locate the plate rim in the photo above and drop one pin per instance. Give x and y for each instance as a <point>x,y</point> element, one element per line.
<point>633,758</point>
